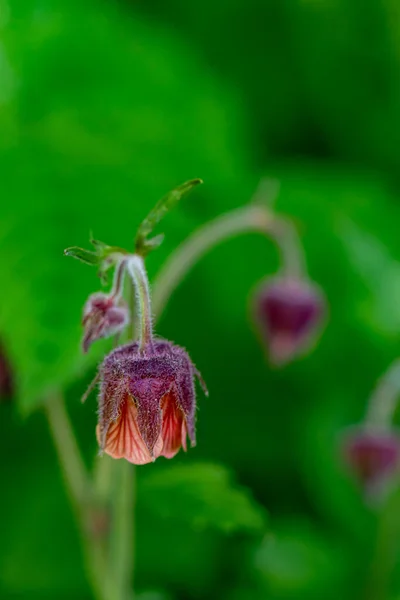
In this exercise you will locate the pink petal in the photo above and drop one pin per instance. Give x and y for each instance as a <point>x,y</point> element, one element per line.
<point>123,439</point>
<point>173,431</point>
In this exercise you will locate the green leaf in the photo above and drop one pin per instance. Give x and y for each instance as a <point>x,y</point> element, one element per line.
<point>85,256</point>
<point>203,495</point>
<point>142,244</point>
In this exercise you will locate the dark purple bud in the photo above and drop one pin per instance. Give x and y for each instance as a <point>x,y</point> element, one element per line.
<point>103,316</point>
<point>147,402</point>
<point>373,456</point>
<point>288,313</point>
<point>6,376</point>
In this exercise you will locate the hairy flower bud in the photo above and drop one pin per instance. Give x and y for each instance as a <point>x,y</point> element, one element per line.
<point>103,316</point>
<point>147,402</point>
<point>373,456</point>
<point>288,312</point>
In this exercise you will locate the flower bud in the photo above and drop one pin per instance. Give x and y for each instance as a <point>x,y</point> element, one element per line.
<point>6,377</point>
<point>288,313</point>
<point>103,316</point>
<point>147,402</point>
<point>373,455</point>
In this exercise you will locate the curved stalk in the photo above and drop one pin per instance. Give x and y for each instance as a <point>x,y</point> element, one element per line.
<point>383,402</point>
<point>251,218</point>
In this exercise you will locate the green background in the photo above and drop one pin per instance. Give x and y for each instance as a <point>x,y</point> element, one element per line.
<point>104,107</point>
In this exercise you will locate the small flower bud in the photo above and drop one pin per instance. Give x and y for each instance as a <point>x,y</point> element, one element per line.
<point>288,312</point>
<point>373,456</point>
<point>147,402</point>
<point>6,377</point>
<point>103,316</point>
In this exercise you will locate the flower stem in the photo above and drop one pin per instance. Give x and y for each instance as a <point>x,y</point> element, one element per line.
<point>386,549</point>
<point>79,488</point>
<point>252,218</point>
<point>383,402</point>
<point>139,276</point>
<point>74,470</point>
<point>121,541</point>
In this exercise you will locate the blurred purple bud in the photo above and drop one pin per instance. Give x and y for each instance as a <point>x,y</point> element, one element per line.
<point>6,376</point>
<point>373,456</point>
<point>147,402</point>
<point>288,313</point>
<point>103,316</point>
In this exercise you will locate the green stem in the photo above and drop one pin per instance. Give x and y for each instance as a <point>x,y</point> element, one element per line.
<point>383,401</point>
<point>251,218</point>
<point>381,408</point>
<point>79,489</point>
<point>74,470</point>
<point>386,549</point>
<point>121,541</point>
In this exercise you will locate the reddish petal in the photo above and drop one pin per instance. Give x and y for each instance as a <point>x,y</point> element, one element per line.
<point>123,439</point>
<point>173,427</point>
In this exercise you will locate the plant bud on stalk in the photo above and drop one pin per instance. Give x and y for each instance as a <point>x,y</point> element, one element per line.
<point>373,456</point>
<point>288,312</point>
<point>104,315</point>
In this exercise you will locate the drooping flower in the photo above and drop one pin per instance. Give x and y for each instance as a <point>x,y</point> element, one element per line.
<point>373,455</point>
<point>288,313</point>
<point>103,316</point>
<point>147,402</point>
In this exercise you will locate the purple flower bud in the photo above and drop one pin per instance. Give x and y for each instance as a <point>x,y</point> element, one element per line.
<point>6,376</point>
<point>103,316</point>
<point>373,456</point>
<point>147,402</point>
<point>288,313</point>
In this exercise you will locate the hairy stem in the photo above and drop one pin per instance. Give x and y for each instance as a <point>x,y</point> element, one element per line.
<point>139,276</point>
<point>252,218</point>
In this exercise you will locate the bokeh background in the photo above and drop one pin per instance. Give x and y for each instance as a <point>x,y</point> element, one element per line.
<point>105,106</point>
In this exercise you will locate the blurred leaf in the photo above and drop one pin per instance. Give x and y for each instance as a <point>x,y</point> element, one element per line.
<point>149,595</point>
<point>203,495</point>
<point>296,561</point>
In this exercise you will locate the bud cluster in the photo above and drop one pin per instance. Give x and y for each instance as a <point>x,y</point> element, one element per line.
<point>147,397</point>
